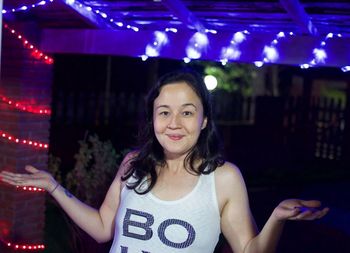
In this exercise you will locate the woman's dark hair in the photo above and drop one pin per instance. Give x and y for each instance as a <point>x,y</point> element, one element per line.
<point>150,154</point>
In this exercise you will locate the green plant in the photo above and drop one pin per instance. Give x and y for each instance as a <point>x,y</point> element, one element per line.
<point>96,165</point>
<point>232,77</point>
<point>54,167</point>
<point>95,168</point>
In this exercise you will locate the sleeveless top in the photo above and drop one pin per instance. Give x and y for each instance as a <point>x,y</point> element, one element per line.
<point>147,224</point>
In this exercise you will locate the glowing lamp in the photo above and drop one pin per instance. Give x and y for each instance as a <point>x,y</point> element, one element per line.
<point>211,82</point>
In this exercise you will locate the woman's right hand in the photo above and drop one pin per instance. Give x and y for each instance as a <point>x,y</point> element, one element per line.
<point>34,177</point>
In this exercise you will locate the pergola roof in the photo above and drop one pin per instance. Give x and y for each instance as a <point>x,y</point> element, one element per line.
<point>128,28</point>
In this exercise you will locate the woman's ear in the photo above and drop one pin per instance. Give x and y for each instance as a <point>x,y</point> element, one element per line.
<point>204,123</point>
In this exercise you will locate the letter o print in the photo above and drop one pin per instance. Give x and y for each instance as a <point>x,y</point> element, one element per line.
<point>179,245</point>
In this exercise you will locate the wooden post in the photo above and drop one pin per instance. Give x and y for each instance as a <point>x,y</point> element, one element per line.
<point>26,80</point>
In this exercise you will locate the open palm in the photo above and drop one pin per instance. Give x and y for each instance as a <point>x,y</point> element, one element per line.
<point>297,209</point>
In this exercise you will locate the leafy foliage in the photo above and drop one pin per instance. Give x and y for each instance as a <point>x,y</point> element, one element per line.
<point>232,77</point>
<point>54,167</point>
<point>94,170</point>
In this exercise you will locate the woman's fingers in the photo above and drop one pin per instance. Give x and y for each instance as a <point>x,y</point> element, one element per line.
<point>310,203</point>
<point>35,179</point>
<point>11,178</point>
<point>6,178</point>
<point>297,209</point>
<point>309,213</point>
<point>31,169</point>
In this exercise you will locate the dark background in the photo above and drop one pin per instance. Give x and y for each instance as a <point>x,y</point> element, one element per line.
<point>277,159</point>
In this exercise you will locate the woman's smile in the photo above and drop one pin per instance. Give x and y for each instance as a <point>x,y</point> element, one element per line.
<point>175,137</point>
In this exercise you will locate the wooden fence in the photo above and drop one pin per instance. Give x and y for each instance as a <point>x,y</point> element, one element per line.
<point>320,122</point>
<point>101,109</point>
<point>315,127</point>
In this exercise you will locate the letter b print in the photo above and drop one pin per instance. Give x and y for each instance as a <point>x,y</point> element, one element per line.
<point>145,226</point>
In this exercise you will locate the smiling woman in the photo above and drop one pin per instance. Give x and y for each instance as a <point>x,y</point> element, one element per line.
<point>175,193</point>
<point>178,119</point>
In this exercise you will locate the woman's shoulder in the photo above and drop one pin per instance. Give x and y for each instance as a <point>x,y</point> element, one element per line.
<point>227,168</point>
<point>130,156</point>
<point>126,163</point>
<point>229,183</point>
<point>228,173</point>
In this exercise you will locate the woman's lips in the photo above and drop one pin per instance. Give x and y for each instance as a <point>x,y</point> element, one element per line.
<point>175,137</point>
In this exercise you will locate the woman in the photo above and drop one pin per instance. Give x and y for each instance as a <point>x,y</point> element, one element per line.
<point>175,194</point>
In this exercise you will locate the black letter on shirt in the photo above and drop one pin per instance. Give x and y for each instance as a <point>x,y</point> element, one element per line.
<point>190,238</point>
<point>125,250</point>
<point>145,226</point>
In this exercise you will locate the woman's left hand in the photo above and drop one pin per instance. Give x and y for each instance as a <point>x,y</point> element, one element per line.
<point>297,209</point>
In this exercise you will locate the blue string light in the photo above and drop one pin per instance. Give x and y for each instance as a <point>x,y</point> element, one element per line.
<point>231,52</point>
<point>26,7</point>
<point>270,52</point>
<point>320,53</point>
<point>103,15</point>
<point>345,68</point>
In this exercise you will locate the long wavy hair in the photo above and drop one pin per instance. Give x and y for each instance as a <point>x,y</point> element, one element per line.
<point>150,154</point>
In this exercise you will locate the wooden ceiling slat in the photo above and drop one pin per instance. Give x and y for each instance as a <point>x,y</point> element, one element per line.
<point>269,14</point>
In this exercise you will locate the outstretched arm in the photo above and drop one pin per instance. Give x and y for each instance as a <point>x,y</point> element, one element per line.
<point>99,224</point>
<point>237,223</point>
<point>290,209</point>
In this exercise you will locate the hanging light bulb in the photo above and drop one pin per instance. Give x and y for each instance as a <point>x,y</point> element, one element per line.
<point>196,45</point>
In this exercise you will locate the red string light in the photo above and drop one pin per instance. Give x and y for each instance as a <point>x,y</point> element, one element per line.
<point>35,52</point>
<point>26,108</point>
<point>32,143</point>
<point>39,55</point>
<point>16,246</point>
<point>30,188</point>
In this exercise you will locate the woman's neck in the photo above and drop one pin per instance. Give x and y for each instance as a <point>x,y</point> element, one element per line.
<point>174,166</point>
<point>177,165</point>
<point>174,162</point>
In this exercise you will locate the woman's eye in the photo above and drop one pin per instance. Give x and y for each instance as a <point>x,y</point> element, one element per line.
<point>187,113</point>
<point>164,113</point>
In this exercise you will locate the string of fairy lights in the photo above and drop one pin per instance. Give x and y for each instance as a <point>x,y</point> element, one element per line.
<point>28,142</point>
<point>233,51</point>
<point>35,52</point>
<point>29,188</point>
<point>197,43</point>
<point>26,7</point>
<point>270,52</point>
<point>320,54</point>
<point>23,246</point>
<point>22,106</point>
<point>27,108</point>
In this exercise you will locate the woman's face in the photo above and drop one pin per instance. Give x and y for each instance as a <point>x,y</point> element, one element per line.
<point>177,119</point>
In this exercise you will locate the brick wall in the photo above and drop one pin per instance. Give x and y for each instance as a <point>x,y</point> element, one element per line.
<point>27,80</point>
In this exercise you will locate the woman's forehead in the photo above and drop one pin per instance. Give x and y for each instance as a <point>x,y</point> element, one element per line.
<point>181,91</point>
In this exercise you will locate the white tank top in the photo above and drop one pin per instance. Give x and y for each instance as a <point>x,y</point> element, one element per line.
<point>147,224</point>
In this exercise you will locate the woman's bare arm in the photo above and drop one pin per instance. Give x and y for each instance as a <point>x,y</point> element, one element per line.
<point>99,224</point>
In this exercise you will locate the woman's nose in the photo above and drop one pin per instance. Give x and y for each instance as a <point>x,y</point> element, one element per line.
<point>175,121</point>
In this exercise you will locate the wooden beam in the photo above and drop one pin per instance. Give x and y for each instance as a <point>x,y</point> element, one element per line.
<point>184,14</point>
<point>299,15</point>
<point>292,50</point>
<point>89,16</point>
